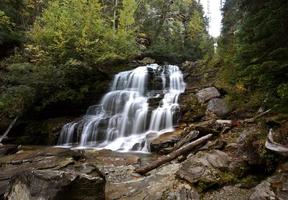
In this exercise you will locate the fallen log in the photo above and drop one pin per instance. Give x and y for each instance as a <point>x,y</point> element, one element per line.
<point>189,137</point>
<point>8,129</point>
<point>251,120</point>
<point>274,146</point>
<point>164,159</point>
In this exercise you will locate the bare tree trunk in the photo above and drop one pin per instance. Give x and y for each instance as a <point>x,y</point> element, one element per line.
<point>164,159</point>
<point>251,120</point>
<point>8,129</point>
<point>115,15</point>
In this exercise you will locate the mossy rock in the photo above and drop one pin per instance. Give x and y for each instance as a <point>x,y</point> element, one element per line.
<point>191,109</point>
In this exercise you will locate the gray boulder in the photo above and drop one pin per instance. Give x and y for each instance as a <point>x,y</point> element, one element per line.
<point>207,94</point>
<point>204,167</point>
<point>217,107</point>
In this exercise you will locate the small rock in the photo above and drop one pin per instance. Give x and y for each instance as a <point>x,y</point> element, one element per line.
<point>263,192</point>
<point>217,107</point>
<point>207,94</point>
<point>147,61</point>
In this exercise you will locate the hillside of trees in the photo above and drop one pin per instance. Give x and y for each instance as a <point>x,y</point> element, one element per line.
<point>253,49</point>
<point>56,53</point>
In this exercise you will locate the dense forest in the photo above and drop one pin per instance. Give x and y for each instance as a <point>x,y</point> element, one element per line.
<point>173,112</point>
<point>254,50</point>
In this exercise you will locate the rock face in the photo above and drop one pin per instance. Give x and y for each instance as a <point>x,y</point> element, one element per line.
<point>206,94</point>
<point>161,184</point>
<point>217,107</point>
<point>48,173</point>
<point>54,184</point>
<point>204,167</point>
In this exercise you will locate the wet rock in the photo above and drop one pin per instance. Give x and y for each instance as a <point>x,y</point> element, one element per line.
<point>217,107</point>
<point>165,140</point>
<point>204,167</point>
<point>108,158</point>
<point>206,94</point>
<point>53,184</point>
<point>228,193</point>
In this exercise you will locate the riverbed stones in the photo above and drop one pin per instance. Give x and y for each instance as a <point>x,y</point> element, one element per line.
<point>217,107</point>
<point>206,94</point>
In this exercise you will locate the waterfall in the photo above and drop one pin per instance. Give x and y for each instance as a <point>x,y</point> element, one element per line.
<point>140,102</point>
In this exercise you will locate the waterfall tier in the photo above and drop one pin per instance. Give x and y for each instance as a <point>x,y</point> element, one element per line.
<point>140,102</point>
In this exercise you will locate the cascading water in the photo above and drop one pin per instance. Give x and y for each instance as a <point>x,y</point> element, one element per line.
<point>142,101</point>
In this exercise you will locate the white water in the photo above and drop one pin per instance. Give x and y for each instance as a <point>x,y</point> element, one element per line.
<point>125,118</point>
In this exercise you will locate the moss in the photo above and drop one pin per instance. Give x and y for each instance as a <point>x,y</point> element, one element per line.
<point>222,178</point>
<point>227,178</point>
<point>250,181</point>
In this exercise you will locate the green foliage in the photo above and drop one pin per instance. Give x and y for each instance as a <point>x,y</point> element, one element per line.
<point>76,30</point>
<point>174,29</point>
<point>15,100</point>
<point>254,51</point>
<point>7,34</point>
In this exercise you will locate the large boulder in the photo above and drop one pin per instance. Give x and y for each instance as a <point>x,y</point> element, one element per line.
<point>217,107</point>
<point>165,140</point>
<point>54,184</point>
<point>205,168</point>
<point>206,94</point>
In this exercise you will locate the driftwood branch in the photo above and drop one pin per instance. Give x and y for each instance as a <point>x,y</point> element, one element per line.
<point>164,159</point>
<point>274,146</point>
<point>8,129</point>
<point>251,120</point>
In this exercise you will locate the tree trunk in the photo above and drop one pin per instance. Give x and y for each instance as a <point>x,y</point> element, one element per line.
<point>8,129</point>
<point>164,159</point>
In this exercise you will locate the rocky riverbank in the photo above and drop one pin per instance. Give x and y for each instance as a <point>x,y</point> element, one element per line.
<point>237,162</point>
